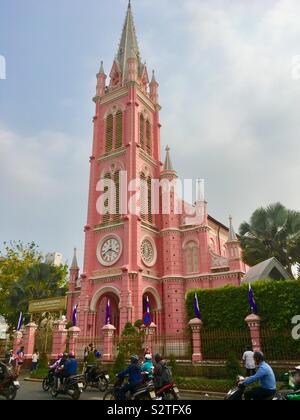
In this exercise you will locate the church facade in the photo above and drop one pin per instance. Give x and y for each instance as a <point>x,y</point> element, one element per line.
<point>155,251</point>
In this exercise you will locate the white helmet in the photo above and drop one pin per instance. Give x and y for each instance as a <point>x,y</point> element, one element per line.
<point>148,356</point>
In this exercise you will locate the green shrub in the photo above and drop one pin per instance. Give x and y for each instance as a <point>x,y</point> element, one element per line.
<point>233,367</point>
<point>204,385</point>
<point>120,363</point>
<point>173,365</point>
<point>43,361</point>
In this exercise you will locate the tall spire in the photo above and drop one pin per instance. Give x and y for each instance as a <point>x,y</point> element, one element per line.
<point>74,265</point>
<point>232,235</point>
<point>128,47</point>
<point>168,166</point>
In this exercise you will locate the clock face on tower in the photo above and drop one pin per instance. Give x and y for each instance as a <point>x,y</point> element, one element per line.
<point>148,252</point>
<point>109,250</point>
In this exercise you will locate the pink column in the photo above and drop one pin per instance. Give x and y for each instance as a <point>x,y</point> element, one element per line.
<point>196,325</point>
<point>108,351</point>
<point>29,340</point>
<point>254,322</point>
<point>73,333</point>
<point>18,338</point>
<point>59,341</point>
<point>150,336</point>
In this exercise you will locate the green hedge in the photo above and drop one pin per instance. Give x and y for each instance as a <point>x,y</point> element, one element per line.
<point>205,385</point>
<point>224,311</point>
<point>227,308</point>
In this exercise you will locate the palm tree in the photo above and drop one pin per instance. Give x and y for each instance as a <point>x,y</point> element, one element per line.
<point>272,232</point>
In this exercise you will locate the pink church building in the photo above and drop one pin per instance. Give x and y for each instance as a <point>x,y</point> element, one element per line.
<point>130,256</point>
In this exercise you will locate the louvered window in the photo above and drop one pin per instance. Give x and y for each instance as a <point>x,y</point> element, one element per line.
<point>149,185</point>
<point>116,216</point>
<point>119,129</point>
<point>144,197</point>
<point>106,214</point>
<point>148,137</point>
<point>142,132</point>
<point>109,133</point>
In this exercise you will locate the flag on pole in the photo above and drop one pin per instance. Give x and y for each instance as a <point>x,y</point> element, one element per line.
<point>252,303</point>
<point>147,316</point>
<point>108,313</point>
<point>74,316</point>
<point>20,322</point>
<point>197,307</point>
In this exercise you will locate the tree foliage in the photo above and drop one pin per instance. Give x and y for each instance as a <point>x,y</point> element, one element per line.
<point>272,232</point>
<point>23,277</point>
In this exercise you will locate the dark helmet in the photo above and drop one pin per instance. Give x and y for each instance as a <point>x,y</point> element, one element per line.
<point>158,358</point>
<point>98,355</point>
<point>259,357</point>
<point>134,359</point>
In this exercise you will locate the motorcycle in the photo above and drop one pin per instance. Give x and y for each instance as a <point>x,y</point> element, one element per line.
<point>72,387</point>
<point>9,384</point>
<point>49,380</point>
<point>237,393</point>
<point>95,378</point>
<point>292,381</point>
<point>144,392</point>
<point>168,392</point>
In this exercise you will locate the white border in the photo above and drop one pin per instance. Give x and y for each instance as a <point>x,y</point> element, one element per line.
<point>148,238</point>
<point>100,244</point>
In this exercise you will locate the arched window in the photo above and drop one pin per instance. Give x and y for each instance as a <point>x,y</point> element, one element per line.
<point>192,257</point>
<point>148,137</point>
<point>109,133</point>
<point>119,129</point>
<point>142,131</point>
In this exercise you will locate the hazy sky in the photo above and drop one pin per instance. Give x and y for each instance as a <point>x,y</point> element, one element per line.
<point>228,86</point>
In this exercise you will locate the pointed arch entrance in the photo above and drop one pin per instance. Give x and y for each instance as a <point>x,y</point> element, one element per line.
<point>99,305</point>
<point>155,306</point>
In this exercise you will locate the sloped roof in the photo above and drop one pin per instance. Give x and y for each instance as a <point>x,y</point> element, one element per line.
<point>270,269</point>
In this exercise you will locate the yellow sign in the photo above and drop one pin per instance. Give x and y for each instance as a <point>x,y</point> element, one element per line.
<point>48,305</point>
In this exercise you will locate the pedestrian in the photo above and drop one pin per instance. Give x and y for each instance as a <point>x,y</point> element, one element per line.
<point>249,362</point>
<point>20,358</point>
<point>35,360</point>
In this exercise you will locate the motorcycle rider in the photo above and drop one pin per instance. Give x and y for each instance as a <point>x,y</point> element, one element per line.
<point>297,377</point>
<point>92,370</point>
<point>265,376</point>
<point>57,363</point>
<point>133,372</point>
<point>70,367</point>
<point>148,367</point>
<point>162,374</point>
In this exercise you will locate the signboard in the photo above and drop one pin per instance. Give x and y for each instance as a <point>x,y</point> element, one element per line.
<point>48,305</point>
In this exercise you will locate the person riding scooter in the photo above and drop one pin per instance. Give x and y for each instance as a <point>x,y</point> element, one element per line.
<point>133,372</point>
<point>148,367</point>
<point>265,376</point>
<point>162,374</point>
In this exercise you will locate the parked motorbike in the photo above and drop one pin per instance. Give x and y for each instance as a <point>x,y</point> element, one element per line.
<point>95,378</point>
<point>168,392</point>
<point>9,384</point>
<point>237,393</point>
<point>48,382</point>
<point>145,391</point>
<point>292,381</point>
<point>72,387</point>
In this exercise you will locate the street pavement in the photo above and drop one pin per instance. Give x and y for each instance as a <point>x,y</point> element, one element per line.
<point>33,391</point>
